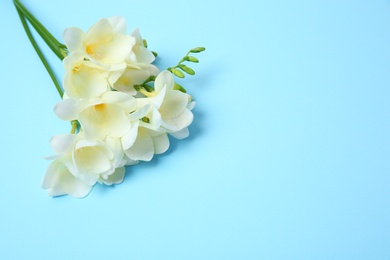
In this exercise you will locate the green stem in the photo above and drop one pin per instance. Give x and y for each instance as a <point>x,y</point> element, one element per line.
<point>58,48</point>
<point>75,125</point>
<point>39,52</point>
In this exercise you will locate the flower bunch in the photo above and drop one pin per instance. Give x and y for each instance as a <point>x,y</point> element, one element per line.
<point>121,107</point>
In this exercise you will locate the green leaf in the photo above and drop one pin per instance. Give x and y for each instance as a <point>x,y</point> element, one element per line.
<point>155,54</point>
<point>145,43</point>
<point>197,49</point>
<point>177,73</point>
<point>179,87</point>
<point>191,59</point>
<point>186,69</point>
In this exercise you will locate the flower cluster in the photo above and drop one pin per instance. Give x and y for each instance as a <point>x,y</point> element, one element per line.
<point>121,106</point>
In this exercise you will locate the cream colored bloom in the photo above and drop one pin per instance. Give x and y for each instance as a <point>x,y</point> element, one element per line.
<point>169,108</point>
<point>85,79</point>
<point>101,117</point>
<point>59,181</point>
<point>148,143</point>
<point>80,163</point>
<point>134,76</point>
<point>105,42</point>
<point>163,111</point>
<point>140,55</point>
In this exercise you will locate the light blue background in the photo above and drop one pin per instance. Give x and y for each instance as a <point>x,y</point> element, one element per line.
<point>288,156</point>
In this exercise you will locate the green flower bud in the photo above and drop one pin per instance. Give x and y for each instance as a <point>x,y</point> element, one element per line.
<point>179,87</point>
<point>178,73</point>
<point>197,49</point>
<point>191,59</point>
<point>187,69</point>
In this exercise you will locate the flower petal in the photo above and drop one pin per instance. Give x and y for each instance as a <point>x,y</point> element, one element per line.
<point>143,148</point>
<point>104,119</point>
<point>67,109</point>
<point>125,101</point>
<point>118,24</point>
<point>129,138</point>
<point>59,181</point>
<point>115,178</point>
<point>165,78</point>
<point>73,38</point>
<point>178,123</point>
<point>183,133</point>
<point>63,144</point>
<point>161,143</point>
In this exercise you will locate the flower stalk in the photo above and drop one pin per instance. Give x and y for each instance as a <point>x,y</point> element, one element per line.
<point>58,48</point>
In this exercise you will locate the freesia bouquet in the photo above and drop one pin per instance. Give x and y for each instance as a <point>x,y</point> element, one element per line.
<point>121,107</point>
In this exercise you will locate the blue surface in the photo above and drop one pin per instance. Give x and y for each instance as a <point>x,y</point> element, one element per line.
<point>288,156</point>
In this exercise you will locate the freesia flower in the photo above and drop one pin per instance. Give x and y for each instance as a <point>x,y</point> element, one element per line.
<point>148,143</point>
<point>59,180</point>
<point>169,107</point>
<point>134,76</point>
<point>85,79</point>
<point>140,55</point>
<point>101,117</point>
<point>79,164</point>
<point>105,42</point>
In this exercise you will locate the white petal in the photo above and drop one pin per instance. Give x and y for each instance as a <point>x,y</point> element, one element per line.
<point>174,104</point>
<point>142,111</point>
<point>136,34</point>
<point>118,24</point>
<point>90,161</point>
<point>73,38</point>
<point>161,143</point>
<point>183,133</point>
<point>115,75</point>
<point>67,109</point>
<point>165,78</point>
<point>104,119</point>
<point>158,99</point>
<point>84,81</point>
<point>191,105</point>
<point>178,123</point>
<point>143,148</point>
<point>129,138</point>
<point>115,178</point>
<point>143,54</point>
<point>115,145</point>
<point>100,32</point>
<point>59,181</point>
<point>72,59</point>
<point>130,78</point>
<point>125,101</point>
<point>62,144</point>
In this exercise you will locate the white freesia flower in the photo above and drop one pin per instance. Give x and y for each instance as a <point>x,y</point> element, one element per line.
<point>139,67</point>
<point>105,42</point>
<point>169,107</point>
<point>59,180</point>
<point>140,55</point>
<point>165,110</point>
<point>85,79</point>
<point>87,161</point>
<point>134,76</point>
<point>101,117</point>
<point>148,143</point>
